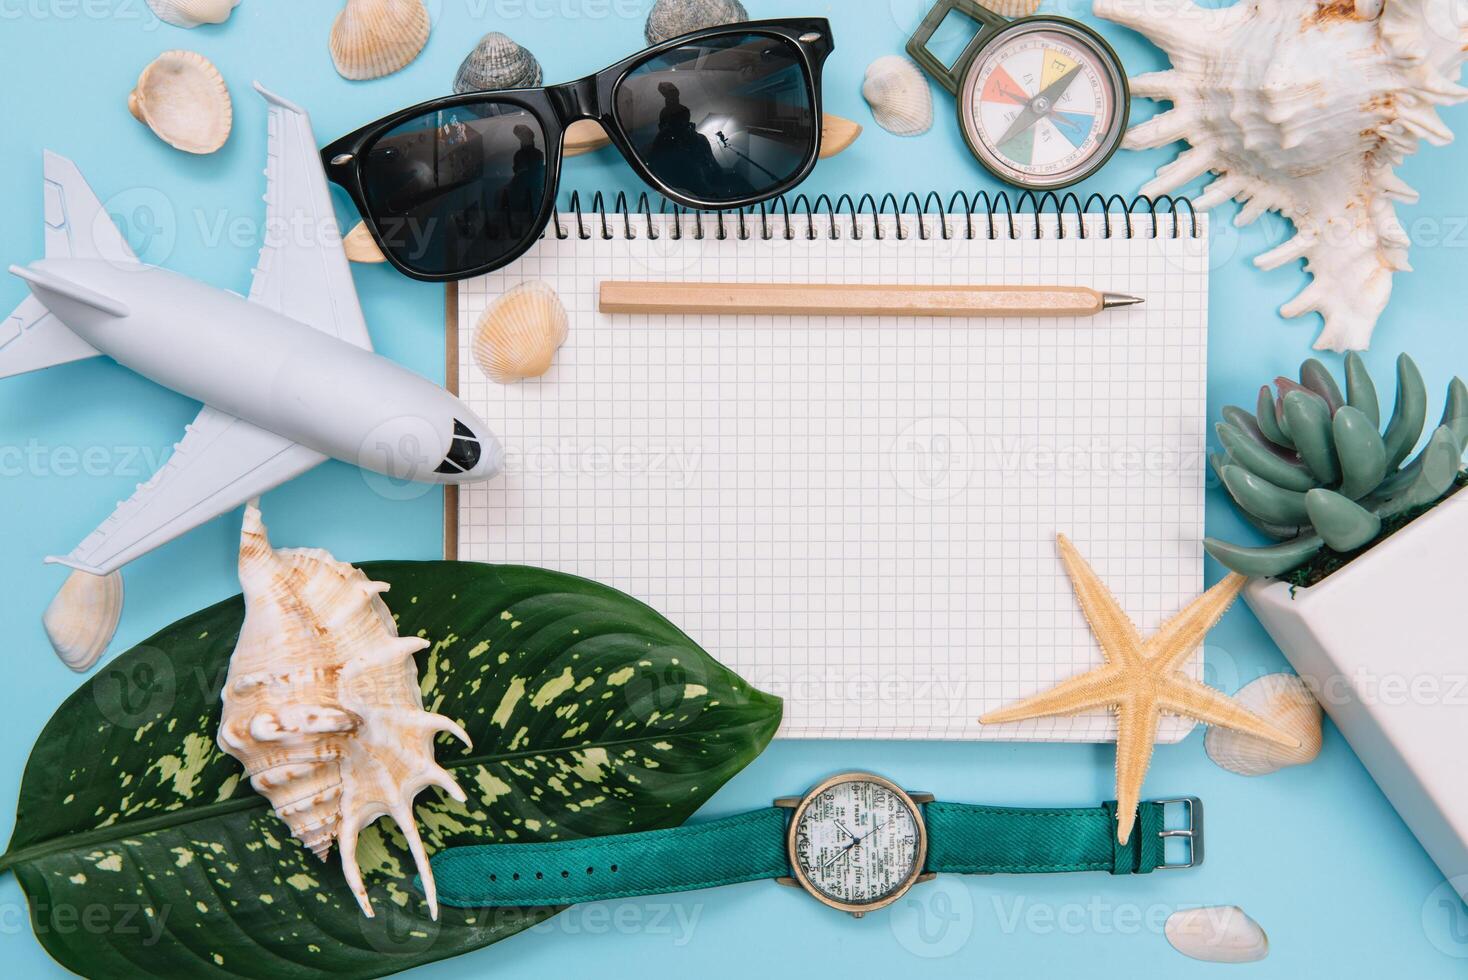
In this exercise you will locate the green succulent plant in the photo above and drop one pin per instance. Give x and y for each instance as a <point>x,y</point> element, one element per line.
<point>1312,469</point>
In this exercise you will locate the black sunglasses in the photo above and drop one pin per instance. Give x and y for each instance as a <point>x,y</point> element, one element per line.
<point>720,118</point>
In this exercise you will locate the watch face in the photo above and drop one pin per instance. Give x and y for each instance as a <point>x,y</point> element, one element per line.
<point>857,842</point>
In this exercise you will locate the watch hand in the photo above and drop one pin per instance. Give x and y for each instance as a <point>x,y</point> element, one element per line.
<point>842,827</point>
<point>839,854</point>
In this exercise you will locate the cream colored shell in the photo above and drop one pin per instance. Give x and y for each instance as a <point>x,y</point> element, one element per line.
<point>373,38</point>
<point>1217,934</point>
<point>83,617</point>
<point>322,705</point>
<point>1306,108</point>
<point>192,13</point>
<point>1284,701</point>
<point>898,92</point>
<point>182,97</point>
<point>519,334</point>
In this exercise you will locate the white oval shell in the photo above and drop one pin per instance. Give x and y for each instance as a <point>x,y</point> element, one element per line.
<point>897,90</point>
<point>322,704</point>
<point>670,18</point>
<point>1284,701</point>
<point>83,617</point>
<point>497,62</point>
<point>1306,108</point>
<point>192,13</point>
<point>373,38</point>
<point>1217,934</point>
<point>182,97</point>
<point>519,334</point>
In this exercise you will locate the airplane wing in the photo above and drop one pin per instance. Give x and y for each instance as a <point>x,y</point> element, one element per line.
<point>303,272</point>
<point>220,463</point>
<point>77,225</point>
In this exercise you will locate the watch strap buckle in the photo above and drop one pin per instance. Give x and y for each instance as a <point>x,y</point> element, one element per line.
<point>1192,831</point>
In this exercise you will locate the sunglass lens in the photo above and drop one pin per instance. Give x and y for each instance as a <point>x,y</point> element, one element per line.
<point>721,120</point>
<point>459,188</point>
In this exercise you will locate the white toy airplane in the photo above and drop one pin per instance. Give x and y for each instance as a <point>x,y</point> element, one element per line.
<point>287,376</point>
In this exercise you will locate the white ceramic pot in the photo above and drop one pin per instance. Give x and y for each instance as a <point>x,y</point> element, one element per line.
<point>1381,643</point>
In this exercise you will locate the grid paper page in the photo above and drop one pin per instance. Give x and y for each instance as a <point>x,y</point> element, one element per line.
<point>859,514</point>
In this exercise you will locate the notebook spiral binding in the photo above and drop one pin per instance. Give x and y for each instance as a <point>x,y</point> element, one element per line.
<point>988,214</point>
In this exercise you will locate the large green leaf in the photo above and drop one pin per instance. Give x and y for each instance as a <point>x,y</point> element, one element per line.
<point>143,851</point>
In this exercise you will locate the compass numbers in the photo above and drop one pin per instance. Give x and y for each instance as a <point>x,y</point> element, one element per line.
<point>857,842</point>
<point>1041,103</point>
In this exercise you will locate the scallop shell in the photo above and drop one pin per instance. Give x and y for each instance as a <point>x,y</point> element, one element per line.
<point>360,246</point>
<point>670,18</point>
<point>1217,934</point>
<point>497,62</point>
<point>1284,700</point>
<point>898,93</point>
<point>83,617</point>
<point>322,705</point>
<point>1305,108</point>
<point>372,38</point>
<point>520,333</point>
<point>182,97</point>
<point>192,13</point>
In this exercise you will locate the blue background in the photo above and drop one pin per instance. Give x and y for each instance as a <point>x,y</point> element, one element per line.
<point>1316,854</point>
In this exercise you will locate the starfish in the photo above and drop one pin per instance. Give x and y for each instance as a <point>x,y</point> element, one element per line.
<point>1140,679</point>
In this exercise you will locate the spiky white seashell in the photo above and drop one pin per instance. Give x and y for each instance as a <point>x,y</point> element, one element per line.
<point>182,97</point>
<point>519,334</point>
<point>497,62</point>
<point>192,13</point>
<point>1217,934</point>
<point>898,93</point>
<point>1304,107</point>
<point>671,18</point>
<point>1283,700</point>
<point>373,38</point>
<point>322,706</point>
<point>83,617</point>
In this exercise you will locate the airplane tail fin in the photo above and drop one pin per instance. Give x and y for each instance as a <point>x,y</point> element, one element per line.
<point>77,225</point>
<point>32,338</point>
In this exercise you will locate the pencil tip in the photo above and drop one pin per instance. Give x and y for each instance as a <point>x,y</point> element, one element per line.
<point>1110,301</point>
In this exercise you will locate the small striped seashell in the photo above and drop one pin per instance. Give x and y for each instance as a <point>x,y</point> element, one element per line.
<point>1217,934</point>
<point>322,704</point>
<point>670,18</point>
<point>519,334</point>
<point>898,93</point>
<point>497,62</point>
<point>1011,8</point>
<point>192,13</point>
<point>373,38</point>
<point>1284,701</point>
<point>83,617</point>
<point>182,97</point>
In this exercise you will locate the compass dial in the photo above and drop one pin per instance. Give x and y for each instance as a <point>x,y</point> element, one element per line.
<point>1039,104</point>
<point>856,842</point>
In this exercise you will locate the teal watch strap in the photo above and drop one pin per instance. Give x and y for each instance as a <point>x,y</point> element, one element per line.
<point>720,852</point>
<point>968,839</point>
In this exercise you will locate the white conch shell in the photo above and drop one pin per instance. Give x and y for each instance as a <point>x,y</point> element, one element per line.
<point>182,97</point>
<point>897,90</point>
<point>372,38</point>
<point>83,617</point>
<point>1284,701</point>
<point>520,332</point>
<point>322,704</point>
<point>192,13</point>
<point>670,18</point>
<point>497,62</point>
<point>1306,108</point>
<point>1219,934</point>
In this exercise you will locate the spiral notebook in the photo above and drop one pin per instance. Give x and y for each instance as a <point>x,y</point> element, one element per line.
<point>860,514</point>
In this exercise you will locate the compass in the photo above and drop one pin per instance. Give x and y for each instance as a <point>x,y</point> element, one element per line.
<point>1042,101</point>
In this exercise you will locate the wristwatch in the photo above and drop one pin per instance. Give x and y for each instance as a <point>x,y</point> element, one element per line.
<point>856,842</point>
